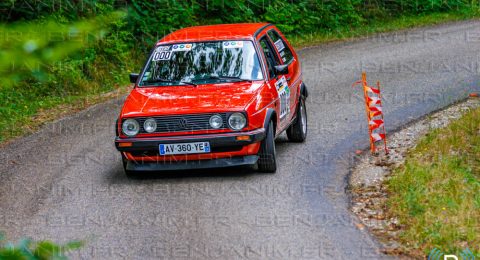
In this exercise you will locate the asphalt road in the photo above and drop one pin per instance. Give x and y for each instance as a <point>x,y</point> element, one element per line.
<point>66,181</point>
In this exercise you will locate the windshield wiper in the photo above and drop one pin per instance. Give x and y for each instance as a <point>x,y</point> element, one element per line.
<point>225,77</point>
<point>169,81</point>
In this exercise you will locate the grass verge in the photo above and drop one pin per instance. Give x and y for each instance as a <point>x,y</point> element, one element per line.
<point>27,115</point>
<point>435,194</point>
<point>23,112</point>
<point>30,104</point>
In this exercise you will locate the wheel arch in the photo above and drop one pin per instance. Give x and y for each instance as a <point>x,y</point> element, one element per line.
<point>271,115</point>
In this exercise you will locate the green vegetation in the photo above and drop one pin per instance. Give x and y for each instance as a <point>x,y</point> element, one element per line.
<point>42,250</point>
<point>46,64</point>
<point>435,194</point>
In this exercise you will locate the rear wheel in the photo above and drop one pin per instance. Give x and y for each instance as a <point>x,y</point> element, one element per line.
<point>267,161</point>
<point>297,132</point>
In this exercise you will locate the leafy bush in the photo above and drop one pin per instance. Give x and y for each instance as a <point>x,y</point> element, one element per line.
<point>18,10</point>
<point>29,48</point>
<point>27,249</point>
<point>150,20</point>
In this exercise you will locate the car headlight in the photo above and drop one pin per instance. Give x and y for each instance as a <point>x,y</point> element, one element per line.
<point>216,121</point>
<point>150,125</point>
<point>237,121</point>
<point>130,127</point>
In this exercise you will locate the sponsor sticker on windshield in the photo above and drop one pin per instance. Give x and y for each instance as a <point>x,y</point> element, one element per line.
<point>233,44</point>
<point>182,47</point>
<point>163,48</point>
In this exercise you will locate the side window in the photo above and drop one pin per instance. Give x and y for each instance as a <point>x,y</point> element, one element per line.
<point>281,46</point>
<point>270,56</point>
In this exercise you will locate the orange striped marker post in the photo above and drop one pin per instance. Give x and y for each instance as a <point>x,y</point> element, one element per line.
<point>373,107</point>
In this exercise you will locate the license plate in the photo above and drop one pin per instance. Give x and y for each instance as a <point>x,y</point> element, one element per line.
<point>184,148</point>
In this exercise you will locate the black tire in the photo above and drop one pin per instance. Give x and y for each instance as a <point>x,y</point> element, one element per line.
<point>267,161</point>
<point>297,132</point>
<point>130,174</point>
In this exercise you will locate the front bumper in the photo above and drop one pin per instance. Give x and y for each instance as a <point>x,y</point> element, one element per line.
<point>142,153</point>
<point>197,164</point>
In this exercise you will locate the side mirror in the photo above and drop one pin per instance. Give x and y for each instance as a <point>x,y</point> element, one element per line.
<point>281,69</point>
<point>133,77</point>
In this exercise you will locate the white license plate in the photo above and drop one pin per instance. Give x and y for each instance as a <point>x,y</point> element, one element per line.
<point>184,148</point>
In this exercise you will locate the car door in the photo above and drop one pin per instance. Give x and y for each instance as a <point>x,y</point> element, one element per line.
<point>279,82</point>
<point>287,56</point>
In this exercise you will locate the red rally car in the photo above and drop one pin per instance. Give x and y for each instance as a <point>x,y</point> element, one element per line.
<point>213,96</point>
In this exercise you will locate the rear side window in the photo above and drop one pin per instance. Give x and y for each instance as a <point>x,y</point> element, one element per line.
<point>281,46</point>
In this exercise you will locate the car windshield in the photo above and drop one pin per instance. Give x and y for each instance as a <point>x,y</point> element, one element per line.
<point>201,63</point>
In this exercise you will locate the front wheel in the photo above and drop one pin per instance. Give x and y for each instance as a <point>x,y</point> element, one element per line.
<point>297,132</point>
<point>267,161</point>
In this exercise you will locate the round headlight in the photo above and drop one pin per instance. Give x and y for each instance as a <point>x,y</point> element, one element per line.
<point>237,121</point>
<point>150,125</point>
<point>130,127</point>
<point>216,121</point>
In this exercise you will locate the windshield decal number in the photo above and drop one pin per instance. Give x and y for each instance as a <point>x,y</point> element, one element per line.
<point>284,95</point>
<point>163,55</point>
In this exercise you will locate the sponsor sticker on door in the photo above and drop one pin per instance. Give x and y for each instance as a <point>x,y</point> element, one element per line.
<point>284,95</point>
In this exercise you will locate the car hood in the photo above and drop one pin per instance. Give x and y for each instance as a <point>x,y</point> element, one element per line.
<point>168,100</point>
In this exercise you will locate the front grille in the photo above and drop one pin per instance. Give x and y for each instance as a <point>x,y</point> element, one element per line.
<point>183,123</point>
